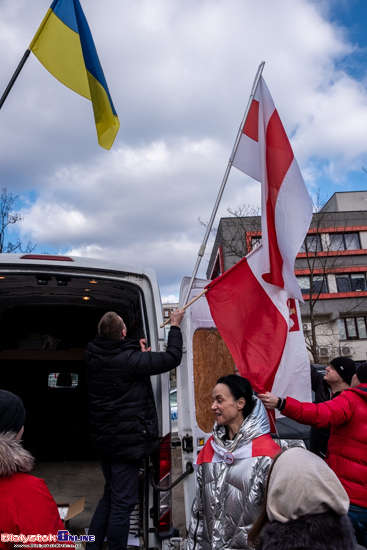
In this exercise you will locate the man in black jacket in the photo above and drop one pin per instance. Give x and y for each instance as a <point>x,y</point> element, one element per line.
<point>338,377</point>
<point>123,418</point>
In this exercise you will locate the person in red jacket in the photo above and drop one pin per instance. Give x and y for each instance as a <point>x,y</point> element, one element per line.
<point>347,449</point>
<point>26,505</point>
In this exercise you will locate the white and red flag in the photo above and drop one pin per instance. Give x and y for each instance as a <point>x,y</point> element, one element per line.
<point>254,304</point>
<point>265,154</point>
<point>261,326</point>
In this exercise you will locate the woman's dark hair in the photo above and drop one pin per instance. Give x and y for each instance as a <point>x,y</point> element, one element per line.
<point>239,387</point>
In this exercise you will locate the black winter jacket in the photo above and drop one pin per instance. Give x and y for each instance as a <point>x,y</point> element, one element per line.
<point>326,531</point>
<point>319,437</point>
<point>123,417</point>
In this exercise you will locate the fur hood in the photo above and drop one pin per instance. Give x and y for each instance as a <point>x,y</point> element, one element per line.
<point>326,531</point>
<point>13,458</point>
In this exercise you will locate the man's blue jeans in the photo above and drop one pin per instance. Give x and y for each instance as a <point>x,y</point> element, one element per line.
<point>112,516</point>
<point>358,517</point>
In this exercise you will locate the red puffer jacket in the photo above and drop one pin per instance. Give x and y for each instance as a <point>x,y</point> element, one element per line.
<point>346,415</point>
<point>26,505</point>
<point>28,508</point>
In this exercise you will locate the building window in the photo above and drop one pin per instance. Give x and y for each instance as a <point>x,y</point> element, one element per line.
<point>348,282</point>
<point>304,284</point>
<point>319,284</point>
<point>216,269</point>
<point>312,243</point>
<point>255,242</point>
<point>344,241</point>
<point>352,328</point>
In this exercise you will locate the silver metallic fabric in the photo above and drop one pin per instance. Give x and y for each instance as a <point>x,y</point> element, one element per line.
<point>229,497</point>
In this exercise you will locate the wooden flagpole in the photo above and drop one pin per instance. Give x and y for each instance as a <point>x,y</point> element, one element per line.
<point>224,181</point>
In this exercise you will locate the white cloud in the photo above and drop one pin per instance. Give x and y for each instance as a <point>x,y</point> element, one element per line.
<point>180,74</point>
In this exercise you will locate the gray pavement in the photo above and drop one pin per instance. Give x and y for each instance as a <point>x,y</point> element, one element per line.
<point>69,481</point>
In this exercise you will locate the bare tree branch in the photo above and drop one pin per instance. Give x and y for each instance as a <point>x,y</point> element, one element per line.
<point>7,218</point>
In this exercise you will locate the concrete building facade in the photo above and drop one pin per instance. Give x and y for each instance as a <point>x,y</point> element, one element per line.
<point>331,268</point>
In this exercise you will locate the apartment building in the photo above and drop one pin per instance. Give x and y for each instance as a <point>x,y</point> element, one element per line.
<point>331,269</point>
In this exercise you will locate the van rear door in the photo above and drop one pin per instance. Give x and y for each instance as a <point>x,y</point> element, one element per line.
<point>205,359</point>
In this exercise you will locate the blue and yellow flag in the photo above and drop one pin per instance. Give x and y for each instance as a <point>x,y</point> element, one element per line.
<point>64,45</point>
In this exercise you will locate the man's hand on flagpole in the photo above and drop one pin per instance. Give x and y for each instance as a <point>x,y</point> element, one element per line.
<point>269,400</point>
<point>176,317</point>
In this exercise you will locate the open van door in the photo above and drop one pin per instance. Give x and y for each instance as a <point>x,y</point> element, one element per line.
<point>205,358</point>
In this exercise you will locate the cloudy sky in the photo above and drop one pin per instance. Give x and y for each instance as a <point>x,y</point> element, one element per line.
<point>180,73</point>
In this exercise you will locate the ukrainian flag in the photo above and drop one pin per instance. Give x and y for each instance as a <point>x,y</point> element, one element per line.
<point>64,45</point>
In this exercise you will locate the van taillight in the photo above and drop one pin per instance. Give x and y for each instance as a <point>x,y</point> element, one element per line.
<point>165,498</point>
<point>165,522</point>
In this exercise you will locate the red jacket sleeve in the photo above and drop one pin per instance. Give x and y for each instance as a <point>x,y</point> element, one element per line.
<point>321,415</point>
<point>29,509</point>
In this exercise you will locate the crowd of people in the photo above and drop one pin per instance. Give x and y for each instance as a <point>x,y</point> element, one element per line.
<point>249,493</point>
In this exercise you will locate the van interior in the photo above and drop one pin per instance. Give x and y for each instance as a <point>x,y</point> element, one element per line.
<point>46,321</point>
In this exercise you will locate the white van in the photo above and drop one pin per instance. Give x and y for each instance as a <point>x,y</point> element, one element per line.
<point>49,310</point>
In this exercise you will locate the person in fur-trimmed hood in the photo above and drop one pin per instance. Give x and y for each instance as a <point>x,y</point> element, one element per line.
<point>305,507</point>
<point>26,505</point>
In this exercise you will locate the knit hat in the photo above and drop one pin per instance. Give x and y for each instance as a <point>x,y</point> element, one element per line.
<point>302,483</point>
<point>12,412</point>
<point>361,373</point>
<point>345,367</point>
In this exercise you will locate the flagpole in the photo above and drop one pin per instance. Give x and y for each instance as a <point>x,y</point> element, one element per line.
<point>224,181</point>
<point>24,59</point>
<point>14,77</point>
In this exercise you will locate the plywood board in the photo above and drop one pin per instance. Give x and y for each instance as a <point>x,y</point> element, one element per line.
<point>211,359</point>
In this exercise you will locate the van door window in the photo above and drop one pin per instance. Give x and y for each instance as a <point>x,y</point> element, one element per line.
<point>62,380</point>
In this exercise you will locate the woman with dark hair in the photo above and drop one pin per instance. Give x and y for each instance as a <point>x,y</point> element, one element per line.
<point>305,507</point>
<point>231,468</point>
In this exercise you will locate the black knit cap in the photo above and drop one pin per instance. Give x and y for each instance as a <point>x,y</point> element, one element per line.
<point>361,373</point>
<point>345,367</point>
<point>12,412</point>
